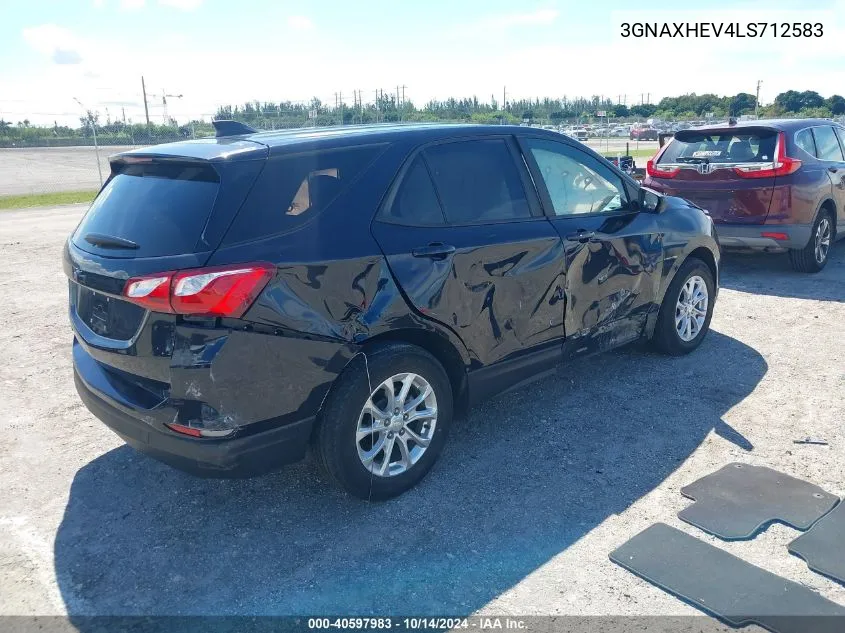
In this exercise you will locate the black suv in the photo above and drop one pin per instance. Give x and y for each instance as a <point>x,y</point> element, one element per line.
<point>237,299</point>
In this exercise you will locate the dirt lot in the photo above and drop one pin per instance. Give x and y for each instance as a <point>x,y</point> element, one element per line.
<point>54,169</point>
<point>532,492</point>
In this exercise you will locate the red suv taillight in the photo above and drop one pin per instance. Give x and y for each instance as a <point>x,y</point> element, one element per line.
<point>226,291</point>
<point>783,165</point>
<point>655,170</point>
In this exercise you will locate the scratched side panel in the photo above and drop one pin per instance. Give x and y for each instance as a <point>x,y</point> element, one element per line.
<point>611,280</point>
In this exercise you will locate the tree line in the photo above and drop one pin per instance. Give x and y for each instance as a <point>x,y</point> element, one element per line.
<point>390,108</point>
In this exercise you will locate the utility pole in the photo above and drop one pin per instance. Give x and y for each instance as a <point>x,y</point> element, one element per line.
<point>146,109</point>
<point>378,106</point>
<point>504,103</point>
<point>757,99</point>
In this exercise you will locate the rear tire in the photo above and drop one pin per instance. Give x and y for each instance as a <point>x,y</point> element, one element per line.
<point>813,257</point>
<point>357,423</point>
<point>683,321</point>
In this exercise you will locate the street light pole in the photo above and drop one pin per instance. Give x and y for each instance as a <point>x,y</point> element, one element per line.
<point>757,99</point>
<point>94,130</point>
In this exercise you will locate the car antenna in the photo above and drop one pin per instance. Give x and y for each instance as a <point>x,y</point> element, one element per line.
<point>227,127</point>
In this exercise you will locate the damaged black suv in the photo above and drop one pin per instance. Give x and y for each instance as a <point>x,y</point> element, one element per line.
<point>239,298</point>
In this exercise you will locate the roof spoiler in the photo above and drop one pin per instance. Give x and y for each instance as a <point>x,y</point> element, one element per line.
<point>226,127</point>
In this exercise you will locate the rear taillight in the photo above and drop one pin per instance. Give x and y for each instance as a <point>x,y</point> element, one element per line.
<point>783,165</point>
<point>655,170</point>
<point>226,291</point>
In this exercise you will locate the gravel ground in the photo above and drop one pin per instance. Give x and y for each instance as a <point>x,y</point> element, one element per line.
<point>531,494</point>
<point>54,169</point>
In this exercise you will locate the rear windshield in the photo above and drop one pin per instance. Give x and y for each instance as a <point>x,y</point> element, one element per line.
<point>293,189</point>
<point>721,147</point>
<point>161,208</point>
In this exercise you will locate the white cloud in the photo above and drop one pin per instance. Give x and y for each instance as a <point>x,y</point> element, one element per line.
<point>55,42</point>
<point>504,22</point>
<point>182,5</point>
<point>300,23</point>
<point>132,5</point>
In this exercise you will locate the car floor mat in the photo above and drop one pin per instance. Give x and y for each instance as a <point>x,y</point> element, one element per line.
<point>823,547</point>
<point>727,587</point>
<point>739,500</point>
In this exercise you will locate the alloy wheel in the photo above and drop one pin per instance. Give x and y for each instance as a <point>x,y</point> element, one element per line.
<point>691,309</point>
<point>822,240</point>
<point>396,424</point>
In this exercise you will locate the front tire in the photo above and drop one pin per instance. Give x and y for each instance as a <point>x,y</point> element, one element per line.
<point>379,435</point>
<point>813,257</point>
<point>684,317</point>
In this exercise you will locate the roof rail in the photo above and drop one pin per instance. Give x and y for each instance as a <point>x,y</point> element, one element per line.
<point>226,127</point>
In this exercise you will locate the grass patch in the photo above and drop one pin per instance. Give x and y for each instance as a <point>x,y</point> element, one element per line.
<point>636,153</point>
<point>45,199</point>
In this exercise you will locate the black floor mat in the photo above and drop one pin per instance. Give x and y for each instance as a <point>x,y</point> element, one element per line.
<point>823,547</point>
<point>725,586</point>
<point>738,500</point>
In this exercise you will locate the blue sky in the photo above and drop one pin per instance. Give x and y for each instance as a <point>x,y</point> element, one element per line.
<point>216,52</point>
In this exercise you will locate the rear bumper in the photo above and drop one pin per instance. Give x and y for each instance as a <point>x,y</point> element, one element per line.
<point>751,236</point>
<point>239,456</point>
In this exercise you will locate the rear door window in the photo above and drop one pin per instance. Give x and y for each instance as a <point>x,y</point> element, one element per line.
<point>477,181</point>
<point>161,208</point>
<point>292,189</point>
<point>840,132</point>
<point>827,145</point>
<point>721,147</point>
<point>416,201</point>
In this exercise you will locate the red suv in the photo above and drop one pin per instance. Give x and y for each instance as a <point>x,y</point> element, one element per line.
<point>644,134</point>
<point>769,185</point>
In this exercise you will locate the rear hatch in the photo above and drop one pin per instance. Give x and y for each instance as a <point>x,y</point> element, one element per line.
<point>157,213</point>
<point>728,172</point>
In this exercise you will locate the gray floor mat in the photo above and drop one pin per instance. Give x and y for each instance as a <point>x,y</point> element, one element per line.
<point>823,547</point>
<point>725,586</point>
<point>738,500</point>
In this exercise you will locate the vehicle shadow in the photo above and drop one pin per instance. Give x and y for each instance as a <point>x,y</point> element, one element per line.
<point>524,477</point>
<point>773,275</point>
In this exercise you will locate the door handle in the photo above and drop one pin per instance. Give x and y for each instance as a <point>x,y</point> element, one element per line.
<point>581,236</point>
<point>435,250</point>
<point>833,170</point>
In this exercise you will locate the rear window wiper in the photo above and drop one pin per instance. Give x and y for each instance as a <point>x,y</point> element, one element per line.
<point>109,241</point>
<point>692,159</point>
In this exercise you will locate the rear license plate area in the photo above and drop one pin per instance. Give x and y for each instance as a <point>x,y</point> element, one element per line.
<point>105,315</point>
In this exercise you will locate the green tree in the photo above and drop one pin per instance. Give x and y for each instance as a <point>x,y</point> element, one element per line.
<point>836,103</point>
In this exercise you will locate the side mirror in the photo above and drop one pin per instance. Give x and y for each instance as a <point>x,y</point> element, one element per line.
<point>649,200</point>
